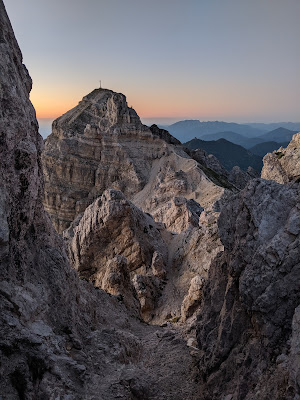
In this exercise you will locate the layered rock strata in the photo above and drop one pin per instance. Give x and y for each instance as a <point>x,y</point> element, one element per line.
<point>283,165</point>
<point>102,144</point>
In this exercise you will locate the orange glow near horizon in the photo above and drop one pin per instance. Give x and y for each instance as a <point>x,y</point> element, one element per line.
<point>45,108</point>
<point>170,103</point>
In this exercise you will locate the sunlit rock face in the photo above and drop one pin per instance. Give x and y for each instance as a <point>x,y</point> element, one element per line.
<point>283,165</point>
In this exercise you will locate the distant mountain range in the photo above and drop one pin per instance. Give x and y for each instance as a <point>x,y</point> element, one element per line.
<point>279,135</point>
<point>232,148</point>
<point>293,126</point>
<point>234,138</point>
<point>244,135</point>
<point>189,129</point>
<point>229,154</point>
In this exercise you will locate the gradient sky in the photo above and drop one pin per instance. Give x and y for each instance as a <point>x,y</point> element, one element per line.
<point>232,60</point>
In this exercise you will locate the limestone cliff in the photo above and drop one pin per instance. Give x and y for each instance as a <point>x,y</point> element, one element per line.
<point>102,144</point>
<point>283,165</point>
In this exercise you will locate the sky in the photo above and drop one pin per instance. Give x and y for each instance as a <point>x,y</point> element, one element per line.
<point>230,60</point>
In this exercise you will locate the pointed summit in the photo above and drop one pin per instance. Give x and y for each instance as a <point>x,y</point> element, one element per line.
<point>101,111</point>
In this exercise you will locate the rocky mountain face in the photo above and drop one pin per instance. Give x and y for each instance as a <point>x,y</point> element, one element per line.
<point>102,144</point>
<point>283,165</point>
<point>160,259</point>
<point>113,227</point>
<point>153,193</point>
<point>248,324</point>
<point>240,178</point>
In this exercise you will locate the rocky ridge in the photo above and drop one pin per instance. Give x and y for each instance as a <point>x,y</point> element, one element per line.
<point>234,179</point>
<point>113,227</point>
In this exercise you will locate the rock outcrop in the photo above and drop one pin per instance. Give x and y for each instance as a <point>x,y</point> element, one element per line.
<point>102,144</point>
<point>60,338</point>
<point>283,165</point>
<point>190,255</point>
<point>240,178</point>
<point>163,134</point>
<point>245,325</point>
<point>162,258</point>
<point>112,227</point>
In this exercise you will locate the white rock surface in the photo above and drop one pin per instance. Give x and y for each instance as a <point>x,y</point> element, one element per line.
<point>283,165</point>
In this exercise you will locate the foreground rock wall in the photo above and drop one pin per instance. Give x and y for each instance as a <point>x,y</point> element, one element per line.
<point>249,301</point>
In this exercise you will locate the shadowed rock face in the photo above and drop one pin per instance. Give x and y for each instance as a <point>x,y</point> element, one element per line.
<point>59,336</point>
<point>283,165</point>
<point>236,178</point>
<point>250,297</point>
<point>163,134</point>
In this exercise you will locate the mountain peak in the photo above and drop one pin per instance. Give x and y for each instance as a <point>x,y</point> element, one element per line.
<point>101,111</point>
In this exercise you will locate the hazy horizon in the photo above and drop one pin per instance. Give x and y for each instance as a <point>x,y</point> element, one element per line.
<point>229,60</point>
